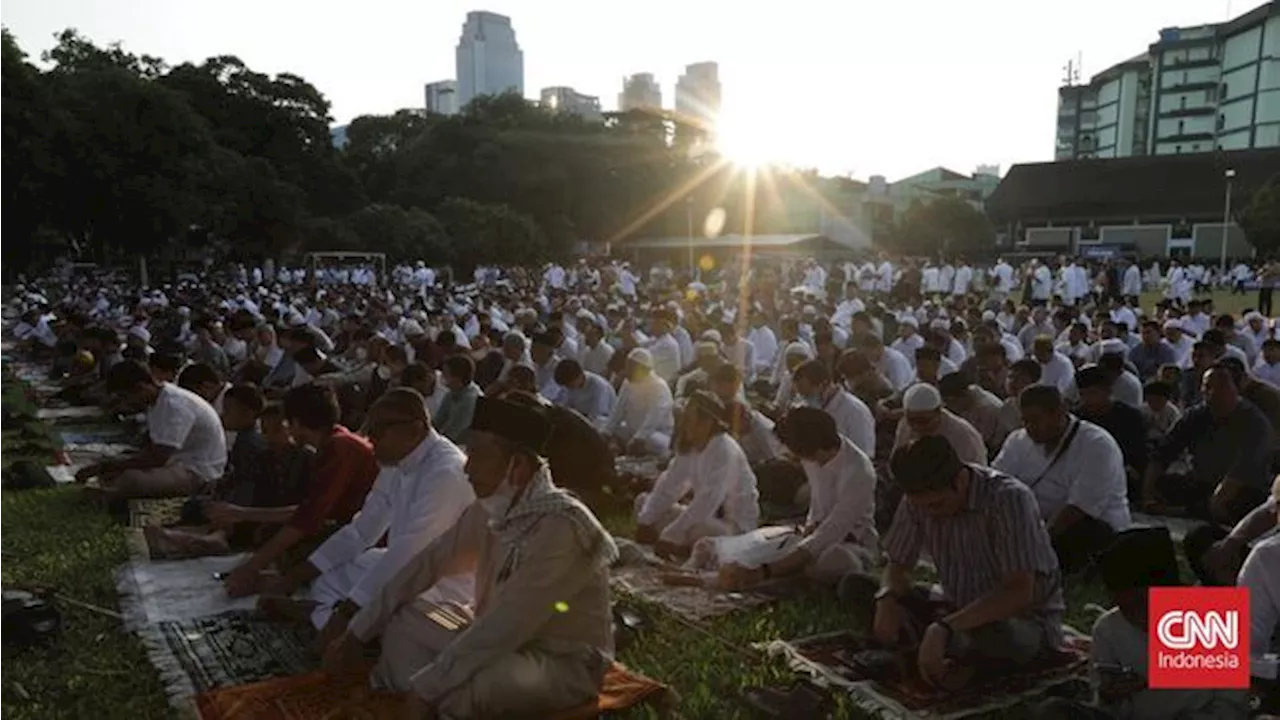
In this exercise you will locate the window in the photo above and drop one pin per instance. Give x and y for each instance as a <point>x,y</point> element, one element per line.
<point>1177,149</point>
<point>1181,126</point>
<point>1182,102</point>
<point>1222,121</point>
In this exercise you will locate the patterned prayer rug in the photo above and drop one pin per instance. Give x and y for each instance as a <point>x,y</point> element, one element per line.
<point>321,696</point>
<point>225,650</point>
<point>155,511</point>
<point>819,657</point>
<point>646,582</point>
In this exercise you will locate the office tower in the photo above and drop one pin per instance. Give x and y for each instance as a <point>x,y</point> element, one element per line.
<point>640,92</point>
<point>442,97</point>
<point>489,60</point>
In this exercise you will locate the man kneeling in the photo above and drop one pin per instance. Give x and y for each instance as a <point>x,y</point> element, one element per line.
<point>542,638</point>
<point>1002,600</point>
<point>419,494</point>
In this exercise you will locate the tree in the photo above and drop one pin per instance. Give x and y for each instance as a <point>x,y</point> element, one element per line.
<point>1261,218</point>
<point>946,223</point>
<point>486,234</point>
<point>404,235</point>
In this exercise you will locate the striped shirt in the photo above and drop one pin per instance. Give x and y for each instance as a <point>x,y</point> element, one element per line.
<point>997,533</point>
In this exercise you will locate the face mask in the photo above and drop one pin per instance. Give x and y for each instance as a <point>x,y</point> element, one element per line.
<point>497,503</point>
<point>384,372</point>
<point>362,354</point>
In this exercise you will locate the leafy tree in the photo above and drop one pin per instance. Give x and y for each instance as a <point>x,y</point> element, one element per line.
<point>411,234</point>
<point>945,223</point>
<point>491,234</point>
<point>1261,218</point>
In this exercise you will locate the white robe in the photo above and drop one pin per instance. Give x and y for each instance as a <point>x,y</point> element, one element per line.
<point>413,503</point>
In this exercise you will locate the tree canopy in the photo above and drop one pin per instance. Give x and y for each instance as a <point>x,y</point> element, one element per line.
<point>1261,218</point>
<point>111,155</point>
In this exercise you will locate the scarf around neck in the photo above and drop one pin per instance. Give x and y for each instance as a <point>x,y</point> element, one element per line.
<point>541,499</point>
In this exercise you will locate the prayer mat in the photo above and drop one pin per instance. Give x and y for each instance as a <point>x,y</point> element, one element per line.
<point>100,435</point>
<point>694,602</point>
<point>155,511</point>
<point>70,414</point>
<point>227,649</point>
<point>819,658</point>
<point>320,696</point>
<point>173,591</point>
<point>64,474</point>
<point>89,453</point>
<point>1178,526</point>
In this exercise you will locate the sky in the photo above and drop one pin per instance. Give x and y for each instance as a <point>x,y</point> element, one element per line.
<point>852,87</point>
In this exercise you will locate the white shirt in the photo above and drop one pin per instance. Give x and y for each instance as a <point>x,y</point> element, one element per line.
<point>1261,574</point>
<point>644,408</point>
<point>413,503</point>
<point>183,420</point>
<point>719,477</point>
<point>895,366</point>
<point>594,400</point>
<point>1058,372</point>
<point>666,357</point>
<point>596,359</point>
<point>766,345</point>
<point>842,500</point>
<point>1090,474</point>
<point>853,420</point>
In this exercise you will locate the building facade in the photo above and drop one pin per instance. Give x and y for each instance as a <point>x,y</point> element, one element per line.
<point>442,97</point>
<point>1196,89</point>
<point>570,101</point>
<point>489,60</point>
<point>698,95</point>
<point>640,91</point>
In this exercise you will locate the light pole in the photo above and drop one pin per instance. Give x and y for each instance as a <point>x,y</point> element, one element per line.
<point>1226,218</point>
<point>688,207</point>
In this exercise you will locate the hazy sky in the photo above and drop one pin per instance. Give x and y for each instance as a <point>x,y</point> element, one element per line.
<point>851,86</point>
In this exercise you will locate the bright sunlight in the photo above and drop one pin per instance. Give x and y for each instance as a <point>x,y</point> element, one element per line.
<point>752,139</point>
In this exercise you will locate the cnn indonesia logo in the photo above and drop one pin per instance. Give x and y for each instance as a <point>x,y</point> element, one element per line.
<point>1198,638</point>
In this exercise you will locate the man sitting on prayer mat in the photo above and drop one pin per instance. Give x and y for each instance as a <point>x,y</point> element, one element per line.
<point>840,531</point>
<point>1137,560</point>
<point>1002,600</point>
<point>187,452</point>
<point>345,469</point>
<point>542,637</point>
<point>710,465</point>
<point>419,494</point>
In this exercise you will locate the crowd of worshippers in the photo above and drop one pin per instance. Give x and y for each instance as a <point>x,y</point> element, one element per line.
<point>425,472</point>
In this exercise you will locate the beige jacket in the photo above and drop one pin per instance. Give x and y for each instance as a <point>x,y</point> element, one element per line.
<point>541,589</point>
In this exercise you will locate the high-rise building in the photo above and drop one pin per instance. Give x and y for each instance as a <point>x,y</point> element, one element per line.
<point>489,60</point>
<point>698,95</point>
<point>570,101</point>
<point>442,97</point>
<point>640,91</point>
<point>1196,89</point>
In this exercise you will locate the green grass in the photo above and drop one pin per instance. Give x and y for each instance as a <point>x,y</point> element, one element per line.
<point>97,669</point>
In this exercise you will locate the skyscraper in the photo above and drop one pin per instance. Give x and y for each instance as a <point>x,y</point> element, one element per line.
<point>698,94</point>
<point>640,92</point>
<point>442,97</point>
<point>489,60</point>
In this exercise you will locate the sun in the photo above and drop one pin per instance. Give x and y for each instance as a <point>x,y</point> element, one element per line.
<point>750,140</point>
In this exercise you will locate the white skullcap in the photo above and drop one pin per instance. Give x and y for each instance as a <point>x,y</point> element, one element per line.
<point>1253,315</point>
<point>1173,325</point>
<point>797,348</point>
<point>712,335</point>
<point>707,348</point>
<point>141,333</point>
<point>641,356</point>
<point>988,315</point>
<point>1114,347</point>
<point>921,397</point>
<point>909,321</point>
<point>412,328</point>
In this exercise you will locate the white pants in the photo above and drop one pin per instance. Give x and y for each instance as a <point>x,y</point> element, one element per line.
<point>711,527</point>
<point>336,585</point>
<point>530,682</point>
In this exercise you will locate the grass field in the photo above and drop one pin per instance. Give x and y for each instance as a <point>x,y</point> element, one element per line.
<point>100,671</point>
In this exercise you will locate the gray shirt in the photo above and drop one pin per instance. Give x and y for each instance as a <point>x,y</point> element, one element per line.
<point>997,533</point>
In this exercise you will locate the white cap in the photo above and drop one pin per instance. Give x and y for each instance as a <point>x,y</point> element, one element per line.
<point>641,356</point>
<point>1114,347</point>
<point>141,333</point>
<point>921,397</point>
<point>412,328</point>
<point>712,335</point>
<point>797,348</point>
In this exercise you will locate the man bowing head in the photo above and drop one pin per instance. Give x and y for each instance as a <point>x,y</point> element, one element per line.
<point>541,637</point>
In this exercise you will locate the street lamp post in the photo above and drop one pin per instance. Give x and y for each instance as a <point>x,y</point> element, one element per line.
<point>1226,219</point>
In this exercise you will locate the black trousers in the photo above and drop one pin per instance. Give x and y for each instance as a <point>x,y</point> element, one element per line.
<point>1185,491</point>
<point>1077,545</point>
<point>1264,301</point>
